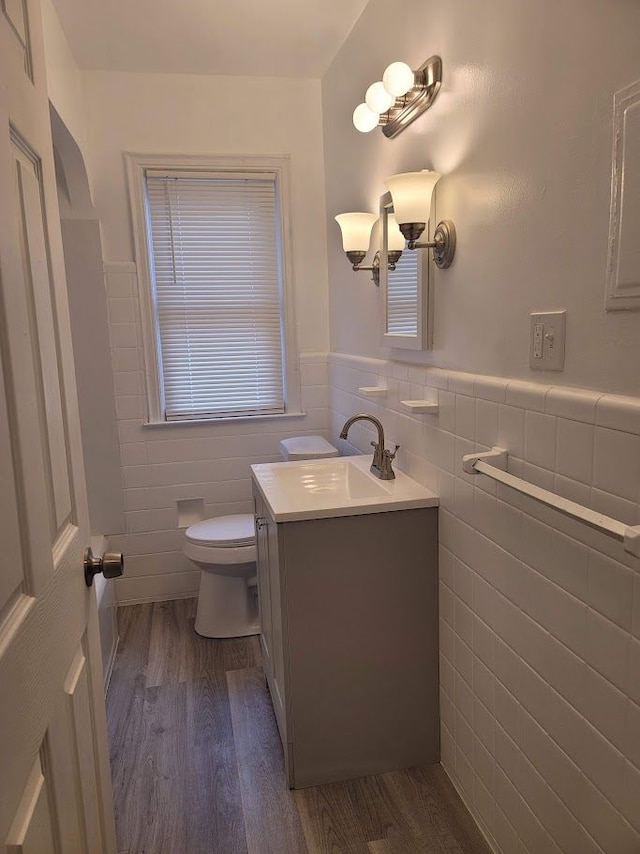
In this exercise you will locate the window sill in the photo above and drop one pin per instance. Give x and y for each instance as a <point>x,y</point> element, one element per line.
<point>225,420</point>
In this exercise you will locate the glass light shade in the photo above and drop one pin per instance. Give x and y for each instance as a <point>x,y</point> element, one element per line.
<point>356,230</point>
<point>398,78</point>
<point>411,194</point>
<point>395,238</point>
<point>378,99</point>
<point>364,118</point>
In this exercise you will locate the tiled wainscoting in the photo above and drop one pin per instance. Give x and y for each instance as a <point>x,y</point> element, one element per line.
<point>540,615</point>
<point>163,464</point>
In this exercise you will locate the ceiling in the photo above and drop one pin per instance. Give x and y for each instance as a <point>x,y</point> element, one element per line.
<point>261,38</point>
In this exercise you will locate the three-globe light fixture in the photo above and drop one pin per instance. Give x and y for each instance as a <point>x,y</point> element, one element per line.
<point>399,98</point>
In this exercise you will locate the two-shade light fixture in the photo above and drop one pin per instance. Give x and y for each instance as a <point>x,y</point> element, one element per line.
<point>400,97</point>
<point>411,194</point>
<point>356,236</point>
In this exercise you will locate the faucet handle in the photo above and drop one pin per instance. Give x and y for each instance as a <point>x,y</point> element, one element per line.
<point>392,456</point>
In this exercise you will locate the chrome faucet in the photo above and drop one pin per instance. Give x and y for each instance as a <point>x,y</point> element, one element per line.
<point>382,459</point>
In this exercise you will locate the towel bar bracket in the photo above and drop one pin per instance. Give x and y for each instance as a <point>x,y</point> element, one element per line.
<point>632,540</point>
<point>497,457</point>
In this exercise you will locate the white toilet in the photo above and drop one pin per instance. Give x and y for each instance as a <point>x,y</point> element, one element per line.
<point>225,549</point>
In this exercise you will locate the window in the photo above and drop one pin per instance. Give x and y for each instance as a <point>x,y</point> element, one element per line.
<point>213,281</point>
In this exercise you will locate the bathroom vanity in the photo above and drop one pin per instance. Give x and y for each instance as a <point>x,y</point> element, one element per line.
<point>348,586</point>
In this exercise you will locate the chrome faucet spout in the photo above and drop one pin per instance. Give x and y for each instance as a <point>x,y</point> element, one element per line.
<point>381,466</point>
<point>351,421</point>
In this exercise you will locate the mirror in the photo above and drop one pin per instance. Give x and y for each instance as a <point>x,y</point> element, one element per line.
<point>406,303</point>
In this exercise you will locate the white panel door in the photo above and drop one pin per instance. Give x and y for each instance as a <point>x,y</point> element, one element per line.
<point>55,788</point>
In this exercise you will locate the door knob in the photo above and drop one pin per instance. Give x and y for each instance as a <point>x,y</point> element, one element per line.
<point>111,565</point>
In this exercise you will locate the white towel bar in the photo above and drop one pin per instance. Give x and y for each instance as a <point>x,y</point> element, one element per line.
<point>482,464</point>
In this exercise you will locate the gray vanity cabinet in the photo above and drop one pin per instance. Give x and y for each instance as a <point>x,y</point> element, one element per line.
<point>349,610</point>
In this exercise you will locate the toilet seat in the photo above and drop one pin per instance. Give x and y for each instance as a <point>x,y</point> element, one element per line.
<point>223,532</point>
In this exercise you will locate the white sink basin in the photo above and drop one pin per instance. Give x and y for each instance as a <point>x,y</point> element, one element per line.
<point>318,489</point>
<point>338,479</point>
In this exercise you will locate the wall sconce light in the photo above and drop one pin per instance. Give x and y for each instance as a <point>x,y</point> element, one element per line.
<point>411,195</point>
<point>356,231</point>
<point>399,98</point>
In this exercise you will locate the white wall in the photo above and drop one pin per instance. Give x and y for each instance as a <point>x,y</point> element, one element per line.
<point>191,114</point>
<point>64,78</point>
<point>94,373</point>
<point>539,617</point>
<point>85,280</point>
<point>522,134</point>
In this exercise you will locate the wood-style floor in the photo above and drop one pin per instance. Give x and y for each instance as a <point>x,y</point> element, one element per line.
<point>197,761</point>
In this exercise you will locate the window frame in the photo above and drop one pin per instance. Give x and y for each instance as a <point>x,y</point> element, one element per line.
<point>137,165</point>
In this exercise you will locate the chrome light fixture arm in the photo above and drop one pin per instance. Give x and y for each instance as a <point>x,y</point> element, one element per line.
<point>357,257</point>
<point>443,243</point>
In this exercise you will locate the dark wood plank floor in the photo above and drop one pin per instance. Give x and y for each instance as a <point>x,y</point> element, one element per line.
<point>197,761</point>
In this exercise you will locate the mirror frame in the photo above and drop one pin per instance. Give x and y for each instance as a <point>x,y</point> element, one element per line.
<point>623,295</point>
<point>423,339</point>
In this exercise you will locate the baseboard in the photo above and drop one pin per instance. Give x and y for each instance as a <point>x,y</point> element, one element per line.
<point>169,597</point>
<point>109,668</point>
<point>157,588</point>
<point>486,835</point>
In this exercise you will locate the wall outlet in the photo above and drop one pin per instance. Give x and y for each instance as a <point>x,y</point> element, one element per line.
<point>546,340</point>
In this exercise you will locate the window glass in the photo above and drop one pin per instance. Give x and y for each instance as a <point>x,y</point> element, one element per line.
<point>215,248</point>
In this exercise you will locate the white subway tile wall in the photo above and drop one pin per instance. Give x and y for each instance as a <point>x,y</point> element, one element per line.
<point>539,615</point>
<point>161,465</point>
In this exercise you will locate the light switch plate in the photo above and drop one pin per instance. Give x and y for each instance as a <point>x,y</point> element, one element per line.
<point>546,340</point>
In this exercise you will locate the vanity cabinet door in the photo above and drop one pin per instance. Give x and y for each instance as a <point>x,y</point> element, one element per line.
<point>278,625</point>
<point>272,617</point>
<point>264,585</point>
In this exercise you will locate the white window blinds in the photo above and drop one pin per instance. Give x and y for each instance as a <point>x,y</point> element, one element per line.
<point>215,247</point>
<point>402,295</point>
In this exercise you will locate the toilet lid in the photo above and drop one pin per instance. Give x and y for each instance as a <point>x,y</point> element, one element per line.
<point>307,448</point>
<point>229,531</point>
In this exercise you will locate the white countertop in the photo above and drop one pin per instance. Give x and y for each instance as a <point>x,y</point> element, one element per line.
<point>342,486</point>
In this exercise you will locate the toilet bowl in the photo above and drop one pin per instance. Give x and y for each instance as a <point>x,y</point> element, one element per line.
<point>225,550</point>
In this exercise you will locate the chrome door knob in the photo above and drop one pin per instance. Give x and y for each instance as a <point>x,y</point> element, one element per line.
<point>111,565</point>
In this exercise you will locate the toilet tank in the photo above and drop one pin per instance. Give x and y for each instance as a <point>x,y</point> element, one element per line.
<point>307,448</point>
